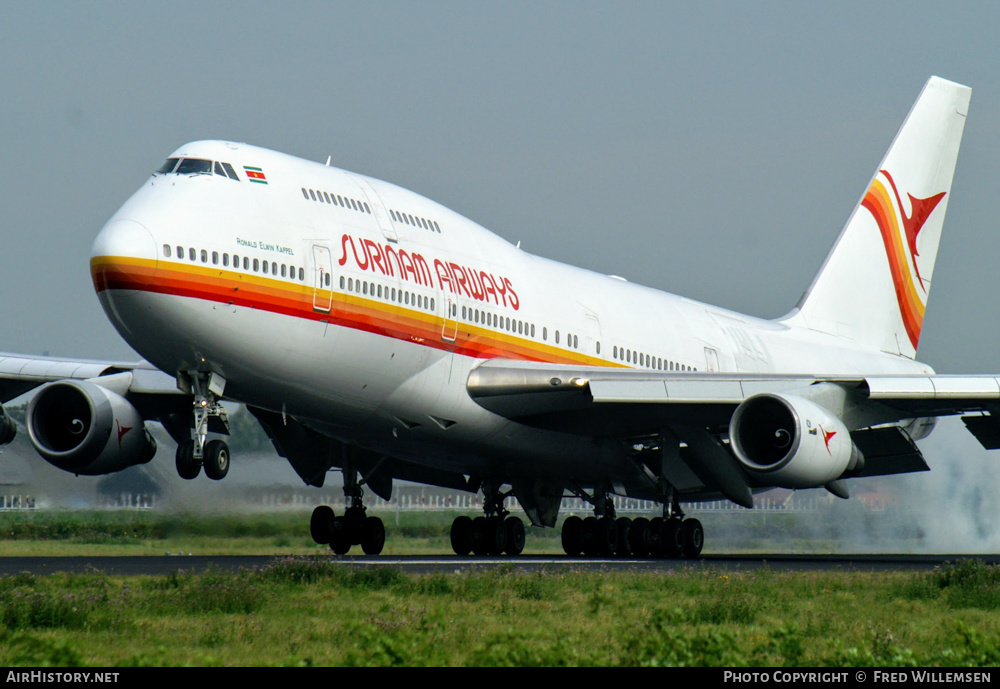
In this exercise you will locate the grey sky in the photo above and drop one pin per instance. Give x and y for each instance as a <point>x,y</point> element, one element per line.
<point>709,149</point>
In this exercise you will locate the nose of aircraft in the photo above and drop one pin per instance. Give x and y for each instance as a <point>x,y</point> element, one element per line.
<point>123,256</point>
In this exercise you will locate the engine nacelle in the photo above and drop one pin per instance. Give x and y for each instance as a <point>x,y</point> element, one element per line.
<point>791,442</point>
<point>84,428</point>
<point>8,429</point>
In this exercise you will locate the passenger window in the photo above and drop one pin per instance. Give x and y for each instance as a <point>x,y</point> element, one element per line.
<point>192,256</point>
<point>302,275</point>
<point>166,250</point>
<point>305,194</point>
<point>215,258</point>
<point>256,265</point>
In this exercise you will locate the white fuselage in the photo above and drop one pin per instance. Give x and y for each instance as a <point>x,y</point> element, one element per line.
<point>360,308</point>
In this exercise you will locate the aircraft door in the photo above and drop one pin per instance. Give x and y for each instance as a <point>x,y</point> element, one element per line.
<point>449,324</point>
<point>322,278</point>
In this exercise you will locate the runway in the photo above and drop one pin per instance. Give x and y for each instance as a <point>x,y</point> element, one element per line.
<point>422,564</point>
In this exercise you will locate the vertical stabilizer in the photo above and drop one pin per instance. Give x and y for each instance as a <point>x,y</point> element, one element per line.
<point>874,284</point>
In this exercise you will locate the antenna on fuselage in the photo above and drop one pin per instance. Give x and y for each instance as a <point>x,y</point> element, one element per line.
<point>328,159</point>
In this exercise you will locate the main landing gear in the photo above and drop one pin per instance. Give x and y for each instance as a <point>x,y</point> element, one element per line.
<point>354,528</point>
<point>605,536</point>
<point>199,451</point>
<point>496,533</point>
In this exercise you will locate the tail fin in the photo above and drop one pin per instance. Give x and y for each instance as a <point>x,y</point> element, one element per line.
<point>874,284</point>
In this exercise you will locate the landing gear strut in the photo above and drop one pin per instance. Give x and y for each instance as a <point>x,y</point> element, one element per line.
<point>198,451</point>
<point>354,528</point>
<point>495,533</point>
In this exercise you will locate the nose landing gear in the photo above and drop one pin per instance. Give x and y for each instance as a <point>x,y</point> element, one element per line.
<point>198,451</point>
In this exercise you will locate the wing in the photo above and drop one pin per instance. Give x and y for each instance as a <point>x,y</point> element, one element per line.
<point>740,432</point>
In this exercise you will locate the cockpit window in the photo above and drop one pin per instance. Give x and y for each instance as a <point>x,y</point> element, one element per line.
<point>168,166</point>
<point>194,166</point>
<point>197,166</point>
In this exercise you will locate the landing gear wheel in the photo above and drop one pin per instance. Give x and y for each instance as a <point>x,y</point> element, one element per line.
<point>515,536</point>
<point>187,467</point>
<point>372,536</point>
<point>588,534</point>
<point>624,526</point>
<point>694,537</point>
<point>340,541</point>
<point>461,535</point>
<point>656,537</point>
<point>320,524</point>
<point>605,536</point>
<point>638,537</point>
<point>572,536</point>
<point>216,460</point>
<point>480,546</point>
<point>672,537</point>
<point>495,535</point>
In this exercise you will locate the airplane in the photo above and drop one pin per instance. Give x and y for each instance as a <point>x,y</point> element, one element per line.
<point>375,332</point>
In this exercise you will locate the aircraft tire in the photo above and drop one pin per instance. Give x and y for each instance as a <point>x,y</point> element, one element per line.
<point>372,536</point>
<point>320,524</point>
<point>605,537</point>
<point>572,536</point>
<point>656,537</point>
<point>461,535</point>
<point>495,535</point>
<point>187,467</point>
<point>340,542</point>
<point>216,460</point>
<point>672,537</point>
<point>638,537</point>
<point>694,537</point>
<point>480,545</point>
<point>624,525</point>
<point>515,536</point>
<point>588,534</point>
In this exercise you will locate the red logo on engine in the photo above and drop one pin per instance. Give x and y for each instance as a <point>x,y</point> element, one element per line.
<point>122,430</point>
<point>826,438</point>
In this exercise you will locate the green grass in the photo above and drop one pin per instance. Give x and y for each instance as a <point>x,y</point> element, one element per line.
<point>314,611</point>
<point>309,610</point>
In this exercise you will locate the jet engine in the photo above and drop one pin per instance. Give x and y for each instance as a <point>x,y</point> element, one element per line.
<point>84,428</point>
<point>8,429</point>
<point>788,441</point>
